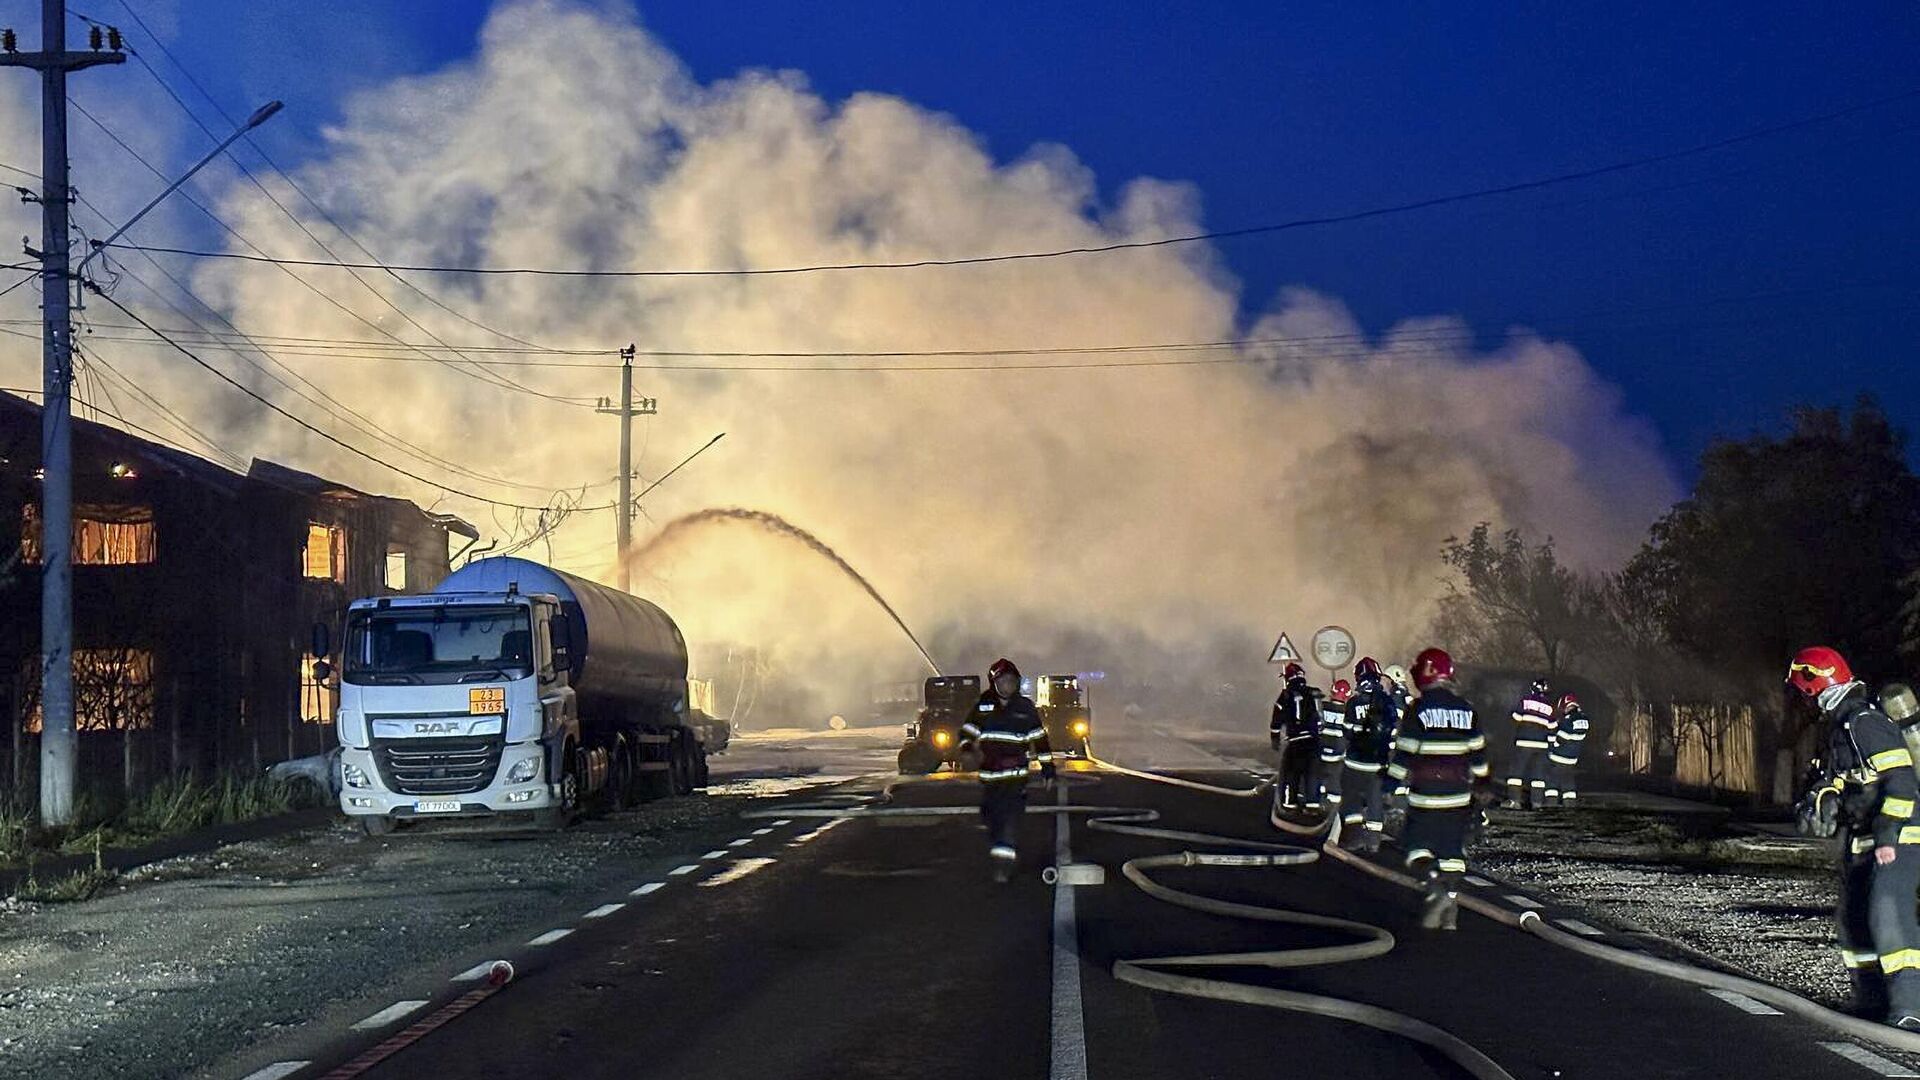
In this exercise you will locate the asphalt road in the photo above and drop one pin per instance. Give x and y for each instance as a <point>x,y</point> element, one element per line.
<point>816,947</point>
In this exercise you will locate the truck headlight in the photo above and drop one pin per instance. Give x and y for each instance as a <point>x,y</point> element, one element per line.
<point>1080,728</point>
<point>354,775</point>
<point>523,770</point>
<point>942,739</point>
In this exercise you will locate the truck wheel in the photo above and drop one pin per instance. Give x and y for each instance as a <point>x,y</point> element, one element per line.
<point>559,817</point>
<point>380,825</point>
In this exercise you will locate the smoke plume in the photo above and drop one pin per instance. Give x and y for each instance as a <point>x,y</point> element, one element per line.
<point>1168,518</point>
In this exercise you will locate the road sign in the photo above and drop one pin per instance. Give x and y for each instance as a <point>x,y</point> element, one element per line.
<point>1284,652</point>
<point>1333,647</point>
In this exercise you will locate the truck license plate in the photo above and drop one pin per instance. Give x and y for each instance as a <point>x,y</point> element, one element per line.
<point>437,806</point>
<point>487,700</point>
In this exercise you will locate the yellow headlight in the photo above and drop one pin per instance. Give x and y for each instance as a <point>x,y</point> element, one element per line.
<point>942,739</point>
<point>1080,727</point>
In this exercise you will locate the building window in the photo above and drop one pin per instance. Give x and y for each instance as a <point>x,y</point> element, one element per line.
<point>396,570</point>
<point>325,557</point>
<point>112,691</point>
<point>103,534</point>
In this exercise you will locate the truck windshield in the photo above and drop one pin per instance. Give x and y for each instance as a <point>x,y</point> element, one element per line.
<point>440,644</point>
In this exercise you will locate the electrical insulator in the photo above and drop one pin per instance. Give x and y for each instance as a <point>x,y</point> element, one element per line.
<point>114,41</point>
<point>9,40</point>
<point>94,38</point>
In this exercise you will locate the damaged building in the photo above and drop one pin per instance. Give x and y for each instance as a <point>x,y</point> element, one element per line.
<point>195,588</point>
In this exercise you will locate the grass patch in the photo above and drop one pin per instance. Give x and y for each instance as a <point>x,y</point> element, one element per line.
<point>173,806</point>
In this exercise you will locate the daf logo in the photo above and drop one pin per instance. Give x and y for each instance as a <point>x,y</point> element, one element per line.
<point>447,727</point>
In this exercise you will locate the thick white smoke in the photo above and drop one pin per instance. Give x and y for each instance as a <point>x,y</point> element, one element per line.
<point>1175,508</point>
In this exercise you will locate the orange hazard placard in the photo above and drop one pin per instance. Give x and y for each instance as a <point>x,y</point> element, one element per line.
<point>487,700</point>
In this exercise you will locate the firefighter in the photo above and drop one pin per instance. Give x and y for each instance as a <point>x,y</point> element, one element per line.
<point>1533,723</point>
<point>1333,746</point>
<point>1569,735</point>
<point>1372,717</point>
<point>1006,729</point>
<point>1402,691</point>
<point>1441,754</point>
<point>1864,790</point>
<point>1295,729</point>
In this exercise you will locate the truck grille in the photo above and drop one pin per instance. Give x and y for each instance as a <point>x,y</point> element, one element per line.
<point>437,766</point>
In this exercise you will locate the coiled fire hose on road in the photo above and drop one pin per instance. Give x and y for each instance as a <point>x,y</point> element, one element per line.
<point>1150,972</point>
<point>1530,921</point>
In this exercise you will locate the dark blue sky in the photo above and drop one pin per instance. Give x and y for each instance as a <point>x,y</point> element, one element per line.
<point>1282,110</point>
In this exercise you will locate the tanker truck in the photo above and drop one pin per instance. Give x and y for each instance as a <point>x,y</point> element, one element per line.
<point>511,689</point>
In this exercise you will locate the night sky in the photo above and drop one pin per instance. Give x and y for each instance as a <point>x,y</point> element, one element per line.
<point>1715,291</point>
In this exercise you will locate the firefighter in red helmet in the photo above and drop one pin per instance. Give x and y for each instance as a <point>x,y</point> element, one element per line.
<point>1441,755</point>
<point>1864,791</point>
<point>1006,729</point>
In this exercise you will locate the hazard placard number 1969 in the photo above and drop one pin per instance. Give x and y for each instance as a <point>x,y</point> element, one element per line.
<point>487,700</point>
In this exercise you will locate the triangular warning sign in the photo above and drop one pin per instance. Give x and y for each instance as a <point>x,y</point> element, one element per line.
<point>1283,651</point>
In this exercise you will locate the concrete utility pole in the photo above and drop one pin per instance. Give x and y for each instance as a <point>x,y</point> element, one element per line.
<point>624,511</point>
<point>53,61</point>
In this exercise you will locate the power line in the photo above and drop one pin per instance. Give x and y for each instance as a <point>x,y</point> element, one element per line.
<point>329,436</point>
<point>309,286</point>
<point>1096,249</point>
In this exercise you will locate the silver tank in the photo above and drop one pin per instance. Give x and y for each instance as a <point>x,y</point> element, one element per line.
<point>629,660</point>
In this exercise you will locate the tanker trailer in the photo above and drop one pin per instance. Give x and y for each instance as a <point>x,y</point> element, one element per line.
<point>511,688</point>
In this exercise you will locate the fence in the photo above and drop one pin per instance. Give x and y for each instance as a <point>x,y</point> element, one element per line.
<point>1704,746</point>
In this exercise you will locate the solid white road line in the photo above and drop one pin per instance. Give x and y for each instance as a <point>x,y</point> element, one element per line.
<point>389,1014</point>
<point>603,911</point>
<point>476,972</point>
<point>1581,928</point>
<point>1860,1055</point>
<point>678,870</point>
<point>1069,1020</point>
<point>550,936</point>
<point>279,1070</point>
<point>1744,1003</point>
<point>742,842</point>
<point>1522,901</point>
<point>649,888</point>
<point>720,853</point>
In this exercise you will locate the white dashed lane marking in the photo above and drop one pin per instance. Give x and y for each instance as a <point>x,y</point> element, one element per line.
<point>550,936</point>
<point>1744,1003</point>
<point>649,888</point>
<point>679,870</point>
<point>735,872</point>
<point>717,853</point>
<point>1860,1055</point>
<point>389,1014</point>
<point>1581,928</point>
<point>1480,881</point>
<point>603,911</point>
<point>742,842</point>
<point>476,972</point>
<point>783,821</point>
<point>762,832</point>
<point>279,1070</point>
<point>1522,901</point>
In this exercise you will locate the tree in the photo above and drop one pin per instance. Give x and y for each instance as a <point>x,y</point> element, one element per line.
<point>1791,540</point>
<point>1511,603</point>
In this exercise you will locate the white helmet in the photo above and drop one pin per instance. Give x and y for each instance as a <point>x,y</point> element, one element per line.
<point>1399,676</point>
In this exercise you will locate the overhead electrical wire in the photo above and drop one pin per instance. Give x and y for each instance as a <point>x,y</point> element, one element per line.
<point>1430,202</point>
<point>323,433</point>
<point>481,376</point>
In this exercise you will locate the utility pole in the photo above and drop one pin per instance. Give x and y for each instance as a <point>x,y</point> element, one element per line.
<point>624,511</point>
<point>53,61</point>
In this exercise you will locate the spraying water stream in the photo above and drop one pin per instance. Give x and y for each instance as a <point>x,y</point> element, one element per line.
<point>773,525</point>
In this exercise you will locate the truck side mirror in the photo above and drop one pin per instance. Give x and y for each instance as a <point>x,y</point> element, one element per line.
<point>560,629</point>
<point>322,671</point>
<point>322,644</point>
